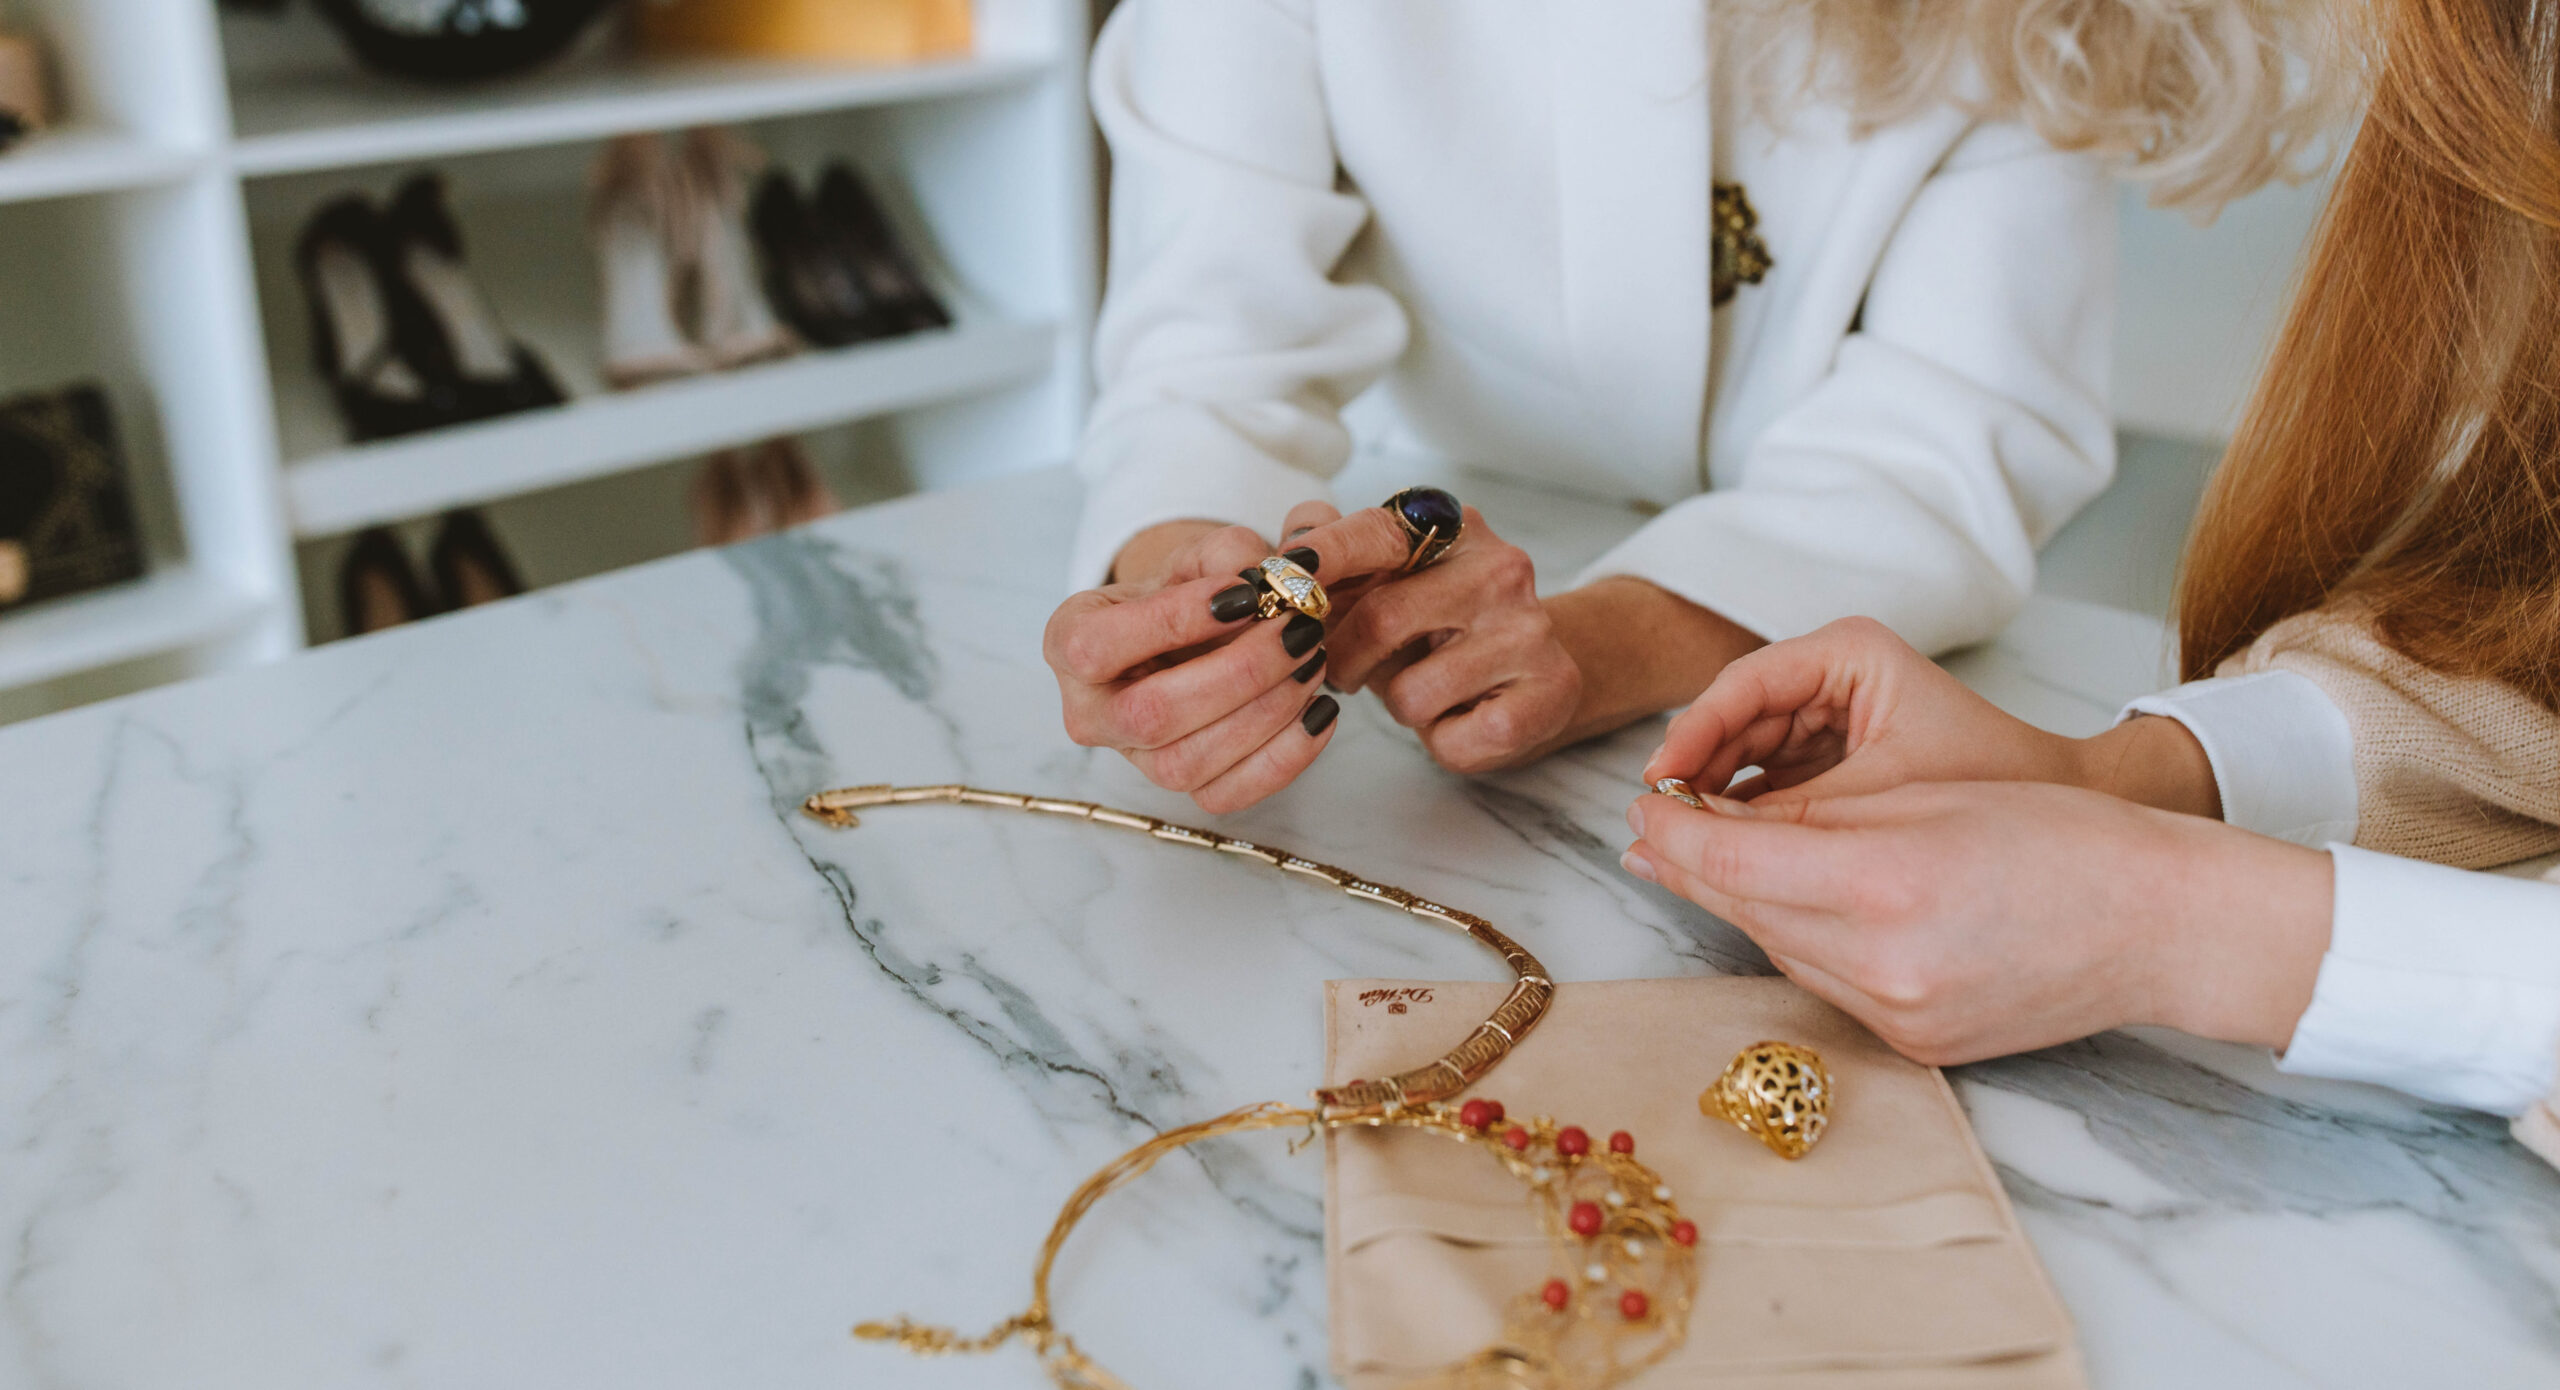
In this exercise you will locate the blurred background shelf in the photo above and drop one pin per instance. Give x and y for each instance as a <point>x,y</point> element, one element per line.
<point>146,248</point>
<point>595,436</point>
<point>343,118</point>
<point>160,613</point>
<point>72,160</point>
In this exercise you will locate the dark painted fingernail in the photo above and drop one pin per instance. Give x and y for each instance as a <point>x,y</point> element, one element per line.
<point>1297,533</point>
<point>1307,672</point>
<point>1303,558</point>
<point>1319,716</point>
<point>1232,604</point>
<point>1301,635</point>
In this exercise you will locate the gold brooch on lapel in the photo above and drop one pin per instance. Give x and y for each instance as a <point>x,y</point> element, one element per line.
<point>1740,257</point>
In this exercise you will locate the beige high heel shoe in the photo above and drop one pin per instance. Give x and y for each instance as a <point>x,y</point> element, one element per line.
<point>730,318</point>
<point>636,201</point>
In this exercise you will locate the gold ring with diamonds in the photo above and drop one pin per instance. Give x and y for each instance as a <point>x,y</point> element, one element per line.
<point>1286,585</point>
<point>1679,791</point>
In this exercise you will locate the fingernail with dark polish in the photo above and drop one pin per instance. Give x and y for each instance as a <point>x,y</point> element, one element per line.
<point>1232,604</point>
<point>1301,635</point>
<point>1319,716</point>
<point>1307,672</point>
<point>1303,558</point>
<point>1297,533</point>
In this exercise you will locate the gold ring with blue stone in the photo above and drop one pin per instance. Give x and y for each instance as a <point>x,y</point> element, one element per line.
<point>1286,585</point>
<point>1432,521</point>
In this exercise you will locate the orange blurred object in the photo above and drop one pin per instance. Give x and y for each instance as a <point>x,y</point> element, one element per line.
<point>24,93</point>
<point>862,30</point>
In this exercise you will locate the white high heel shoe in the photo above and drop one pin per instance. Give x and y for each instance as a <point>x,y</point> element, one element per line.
<point>635,196</point>
<point>731,320</point>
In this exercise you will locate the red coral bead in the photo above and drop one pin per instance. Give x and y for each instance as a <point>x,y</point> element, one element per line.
<point>1633,1305</point>
<point>1495,1107</point>
<point>1584,1218</point>
<point>1622,1143</point>
<point>1685,1232</point>
<point>1516,1137</point>
<point>1475,1114</point>
<point>1556,1294</point>
<point>1573,1142</point>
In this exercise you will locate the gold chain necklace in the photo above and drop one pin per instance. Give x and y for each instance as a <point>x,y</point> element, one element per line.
<point>1626,1266</point>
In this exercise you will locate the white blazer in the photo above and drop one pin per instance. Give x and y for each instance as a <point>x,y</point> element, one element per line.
<point>1497,212</point>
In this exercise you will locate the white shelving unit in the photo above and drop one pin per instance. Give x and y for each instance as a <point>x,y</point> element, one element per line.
<point>146,244</point>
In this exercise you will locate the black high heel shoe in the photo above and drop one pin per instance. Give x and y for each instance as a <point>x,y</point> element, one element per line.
<point>493,374</point>
<point>371,340</point>
<point>459,40</point>
<point>854,222</point>
<point>471,568</point>
<point>377,589</point>
<point>816,290</point>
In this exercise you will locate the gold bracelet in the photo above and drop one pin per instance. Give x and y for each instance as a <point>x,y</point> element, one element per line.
<point>1624,1261</point>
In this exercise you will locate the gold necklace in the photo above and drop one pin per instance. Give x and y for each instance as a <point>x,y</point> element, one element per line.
<point>1626,1259</point>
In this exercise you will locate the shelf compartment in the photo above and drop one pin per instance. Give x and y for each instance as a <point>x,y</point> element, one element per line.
<point>347,119</point>
<point>84,159</point>
<point>595,436</point>
<point>159,613</point>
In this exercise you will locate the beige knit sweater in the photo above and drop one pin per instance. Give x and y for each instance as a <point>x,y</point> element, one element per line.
<point>2460,772</point>
<point>2463,772</point>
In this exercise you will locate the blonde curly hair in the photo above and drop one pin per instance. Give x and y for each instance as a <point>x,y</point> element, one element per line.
<point>2204,99</point>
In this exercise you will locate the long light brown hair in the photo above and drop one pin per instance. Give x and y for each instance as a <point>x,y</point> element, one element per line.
<point>2203,99</point>
<point>2402,453</point>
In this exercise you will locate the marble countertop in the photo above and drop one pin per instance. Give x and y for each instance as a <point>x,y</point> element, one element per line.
<point>467,1007</point>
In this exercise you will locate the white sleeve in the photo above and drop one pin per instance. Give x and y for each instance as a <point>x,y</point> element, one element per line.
<point>1225,348</point>
<point>2443,983</point>
<point>1962,422</point>
<point>2282,753</point>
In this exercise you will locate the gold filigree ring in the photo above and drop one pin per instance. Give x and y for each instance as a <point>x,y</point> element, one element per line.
<point>1286,585</point>
<point>1776,1092</point>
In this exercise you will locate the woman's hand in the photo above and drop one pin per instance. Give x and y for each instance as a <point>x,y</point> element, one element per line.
<point>1963,921</point>
<point>1853,708</point>
<point>1463,652</point>
<point>1168,671</point>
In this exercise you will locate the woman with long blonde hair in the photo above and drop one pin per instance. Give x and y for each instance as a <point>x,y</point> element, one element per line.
<point>1827,284</point>
<point>2370,621</point>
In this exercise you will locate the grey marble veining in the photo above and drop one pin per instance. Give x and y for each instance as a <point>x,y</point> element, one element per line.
<point>469,1007</point>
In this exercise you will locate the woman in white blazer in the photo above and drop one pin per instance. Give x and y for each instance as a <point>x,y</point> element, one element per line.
<point>1827,284</point>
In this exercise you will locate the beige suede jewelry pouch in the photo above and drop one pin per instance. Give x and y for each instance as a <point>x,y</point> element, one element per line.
<point>1886,1259</point>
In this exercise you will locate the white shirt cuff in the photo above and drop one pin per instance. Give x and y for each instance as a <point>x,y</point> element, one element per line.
<point>2282,754</point>
<point>2438,982</point>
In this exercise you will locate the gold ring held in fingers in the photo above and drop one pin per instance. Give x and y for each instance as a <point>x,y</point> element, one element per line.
<point>1286,585</point>
<point>1679,791</point>
<point>1776,1092</point>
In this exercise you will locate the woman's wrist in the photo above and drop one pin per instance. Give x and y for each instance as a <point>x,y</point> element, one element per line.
<point>2245,925</point>
<point>2150,760</point>
<point>1641,649</point>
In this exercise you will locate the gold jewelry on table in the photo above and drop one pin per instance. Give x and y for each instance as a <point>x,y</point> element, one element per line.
<point>1625,1259</point>
<point>1776,1092</point>
<point>1432,522</point>
<point>1285,585</point>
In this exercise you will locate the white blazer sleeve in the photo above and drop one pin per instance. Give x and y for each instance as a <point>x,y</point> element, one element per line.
<point>1963,422</point>
<point>2444,983</point>
<point>1225,349</point>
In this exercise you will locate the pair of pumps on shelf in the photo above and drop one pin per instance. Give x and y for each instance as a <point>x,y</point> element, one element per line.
<point>400,330</point>
<point>678,241</point>
<point>378,587</point>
